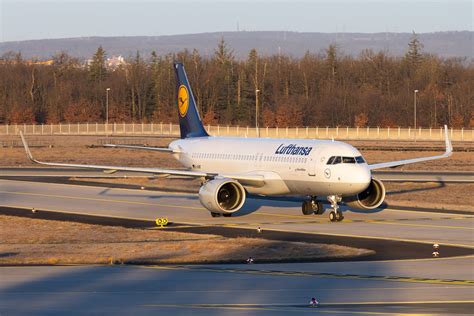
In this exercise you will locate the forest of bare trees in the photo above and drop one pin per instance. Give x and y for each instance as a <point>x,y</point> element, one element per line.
<point>326,89</point>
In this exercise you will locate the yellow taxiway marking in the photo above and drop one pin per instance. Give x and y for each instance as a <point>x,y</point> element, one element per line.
<point>302,309</point>
<point>418,212</point>
<point>318,274</point>
<point>105,216</point>
<point>394,222</point>
<point>355,236</point>
<point>399,221</point>
<point>249,226</point>
<point>243,225</point>
<point>253,226</point>
<point>195,194</point>
<point>100,200</point>
<point>85,186</point>
<point>323,307</point>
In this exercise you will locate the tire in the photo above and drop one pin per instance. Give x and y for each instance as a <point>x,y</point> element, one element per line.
<point>319,208</point>
<point>215,214</point>
<point>306,208</point>
<point>332,216</point>
<point>227,214</point>
<point>339,217</point>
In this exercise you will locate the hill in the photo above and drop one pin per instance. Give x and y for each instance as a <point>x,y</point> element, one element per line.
<point>443,44</point>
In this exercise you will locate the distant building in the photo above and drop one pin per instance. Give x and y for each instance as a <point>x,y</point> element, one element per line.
<point>114,62</point>
<point>87,63</point>
<point>40,62</point>
<point>31,62</point>
<point>111,63</point>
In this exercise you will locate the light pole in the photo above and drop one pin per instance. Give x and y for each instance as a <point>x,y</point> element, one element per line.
<point>107,111</point>
<point>256,112</point>
<point>414,109</point>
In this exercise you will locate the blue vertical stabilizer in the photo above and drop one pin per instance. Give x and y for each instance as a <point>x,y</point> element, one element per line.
<point>189,121</point>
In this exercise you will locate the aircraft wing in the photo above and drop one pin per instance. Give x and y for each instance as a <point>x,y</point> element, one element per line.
<point>162,149</point>
<point>391,164</point>
<point>245,179</point>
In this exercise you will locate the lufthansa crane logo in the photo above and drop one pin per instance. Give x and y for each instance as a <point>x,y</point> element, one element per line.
<point>327,173</point>
<point>183,100</point>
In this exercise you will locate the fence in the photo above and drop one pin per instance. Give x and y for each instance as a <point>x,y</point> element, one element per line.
<point>162,129</point>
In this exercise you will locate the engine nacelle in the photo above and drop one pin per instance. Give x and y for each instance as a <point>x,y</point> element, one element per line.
<point>370,198</point>
<point>224,196</point>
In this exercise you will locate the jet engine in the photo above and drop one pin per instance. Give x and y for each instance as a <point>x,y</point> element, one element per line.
<point>370,198</point>
<point>222,196</point>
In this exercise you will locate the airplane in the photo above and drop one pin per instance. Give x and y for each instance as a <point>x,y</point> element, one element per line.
<point>231,168</point>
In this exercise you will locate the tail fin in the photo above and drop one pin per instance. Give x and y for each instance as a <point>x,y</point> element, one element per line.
<point>189,121</point>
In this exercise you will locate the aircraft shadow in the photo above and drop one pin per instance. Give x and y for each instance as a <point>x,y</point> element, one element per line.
<point>106,192</point>
<point>253,204</point>
<point>437,186</point>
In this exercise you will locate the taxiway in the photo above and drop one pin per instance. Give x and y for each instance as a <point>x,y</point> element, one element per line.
<point>389,287</point>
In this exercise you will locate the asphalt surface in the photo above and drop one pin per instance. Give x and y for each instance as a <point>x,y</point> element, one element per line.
<point>398,249</point>
<point>439,286</point>
<point>184,208</point>
<point>377,288</point>
<point>389,176</point>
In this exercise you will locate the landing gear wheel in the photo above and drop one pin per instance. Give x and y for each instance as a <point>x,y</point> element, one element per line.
<point>335,215</point>
<point>307,208</point>
<point>318,208</point>
<point>215,214</point>
<point>339,216</point>
<point>227,214</point>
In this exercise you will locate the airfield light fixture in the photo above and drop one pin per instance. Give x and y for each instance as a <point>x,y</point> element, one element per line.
<point>107,110</point>
<point>256,112</point>
<point>414,109</point>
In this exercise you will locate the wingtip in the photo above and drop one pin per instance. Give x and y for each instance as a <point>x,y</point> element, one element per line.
<point>449,145</point>
<point>27,149</point>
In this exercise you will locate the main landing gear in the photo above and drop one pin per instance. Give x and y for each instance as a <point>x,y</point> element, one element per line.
<point>312,206</point>
<point>335,215</point>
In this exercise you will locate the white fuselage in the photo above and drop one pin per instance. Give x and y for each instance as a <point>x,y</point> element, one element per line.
<point>289,166</point>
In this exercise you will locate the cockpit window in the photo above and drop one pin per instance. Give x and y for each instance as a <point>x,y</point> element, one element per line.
<point>334,160</point>
<point>348,160</point>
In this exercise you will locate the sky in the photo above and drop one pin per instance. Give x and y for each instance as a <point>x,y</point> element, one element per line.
<point>38,19</point>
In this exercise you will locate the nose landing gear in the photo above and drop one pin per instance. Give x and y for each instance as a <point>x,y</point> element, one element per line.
<point>312,206</point>
<point>335,215</point>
